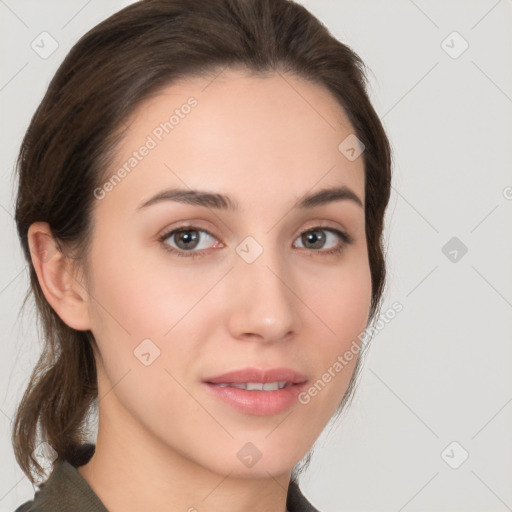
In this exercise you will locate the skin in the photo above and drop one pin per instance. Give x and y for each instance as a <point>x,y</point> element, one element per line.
<point>294,306</point>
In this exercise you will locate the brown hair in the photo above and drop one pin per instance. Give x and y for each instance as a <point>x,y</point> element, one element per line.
<point>72,136</point>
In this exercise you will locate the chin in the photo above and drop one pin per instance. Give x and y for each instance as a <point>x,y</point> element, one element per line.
<point>259,459</point>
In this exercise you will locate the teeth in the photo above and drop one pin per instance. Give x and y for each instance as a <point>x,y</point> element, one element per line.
<point>256,386</point>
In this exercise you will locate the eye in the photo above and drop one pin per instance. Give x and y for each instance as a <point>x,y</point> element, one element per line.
<point>317,238</point>
<point>187,238</point>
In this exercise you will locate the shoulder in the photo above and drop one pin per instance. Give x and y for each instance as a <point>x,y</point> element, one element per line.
<point>65,489</point>
<point>35,505</point>
<point>31,505</point>
<point>296,501</point>
<point>26,507</point>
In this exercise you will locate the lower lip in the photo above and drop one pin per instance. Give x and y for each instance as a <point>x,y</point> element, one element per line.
<point>262,403</point>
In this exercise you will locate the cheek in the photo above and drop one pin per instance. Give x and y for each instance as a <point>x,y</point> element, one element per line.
<point>137,297</point>
<point>341,307</point>
<point>143,319</point>
<point>147,313</point>
<point>341,299</point>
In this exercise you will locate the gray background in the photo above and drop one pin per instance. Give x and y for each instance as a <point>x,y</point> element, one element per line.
<point>439,372</point>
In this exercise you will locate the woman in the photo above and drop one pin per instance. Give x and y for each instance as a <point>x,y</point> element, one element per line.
<point>201,201</point>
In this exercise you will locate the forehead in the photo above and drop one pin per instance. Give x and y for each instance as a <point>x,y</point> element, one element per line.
<point>240,134</point>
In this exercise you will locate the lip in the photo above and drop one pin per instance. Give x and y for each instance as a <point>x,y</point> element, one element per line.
<point>261,403</point>
<point>252,374</point>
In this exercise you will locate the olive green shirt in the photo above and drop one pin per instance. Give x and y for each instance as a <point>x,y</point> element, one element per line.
<point>67,491</point>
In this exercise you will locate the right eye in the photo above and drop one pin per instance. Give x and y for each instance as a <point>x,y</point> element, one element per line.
<point>187,238</point>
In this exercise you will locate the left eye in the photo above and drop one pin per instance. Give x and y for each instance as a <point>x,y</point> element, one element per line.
<point>312,237</point>
<point>188,238</point>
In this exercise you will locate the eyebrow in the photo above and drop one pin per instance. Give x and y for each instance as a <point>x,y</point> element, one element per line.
<point>224,202</point>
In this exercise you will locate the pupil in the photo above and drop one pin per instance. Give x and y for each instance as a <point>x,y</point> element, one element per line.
<point>187,238</point>
<point>313,235</point>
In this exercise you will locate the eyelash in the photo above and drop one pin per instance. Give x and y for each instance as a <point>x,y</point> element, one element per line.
<point>346,240</point>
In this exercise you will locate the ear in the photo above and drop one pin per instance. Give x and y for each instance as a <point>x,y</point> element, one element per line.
<point>56,274</point>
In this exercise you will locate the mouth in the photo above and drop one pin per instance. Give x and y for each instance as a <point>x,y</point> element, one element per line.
<point>254,386</point>
<point>258,392</point>
<point>252,376</point>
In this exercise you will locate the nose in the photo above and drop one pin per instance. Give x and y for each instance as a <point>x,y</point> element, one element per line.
<point>262,303</point>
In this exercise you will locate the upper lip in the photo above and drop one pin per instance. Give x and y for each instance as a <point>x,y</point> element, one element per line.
<point>252,374</point>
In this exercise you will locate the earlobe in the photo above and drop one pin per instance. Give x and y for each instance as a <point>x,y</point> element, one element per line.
<point>56,274</point>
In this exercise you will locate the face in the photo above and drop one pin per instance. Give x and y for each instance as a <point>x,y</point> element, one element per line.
<point>182,292</point>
